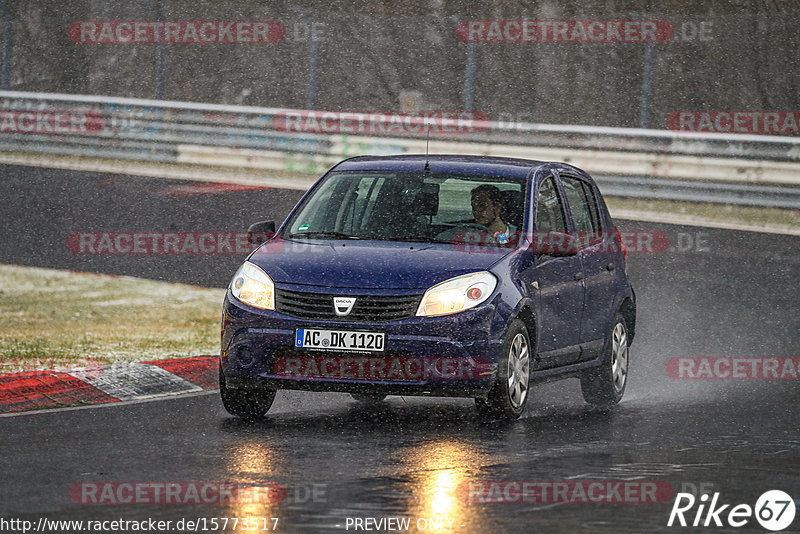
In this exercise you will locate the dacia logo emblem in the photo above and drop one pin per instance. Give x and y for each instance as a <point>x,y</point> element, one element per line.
<point>343,305</point>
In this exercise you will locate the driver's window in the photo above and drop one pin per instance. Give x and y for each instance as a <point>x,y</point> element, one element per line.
<point>549,212</point>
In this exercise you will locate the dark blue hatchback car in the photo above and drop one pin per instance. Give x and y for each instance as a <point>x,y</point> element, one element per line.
<point>442,275</point>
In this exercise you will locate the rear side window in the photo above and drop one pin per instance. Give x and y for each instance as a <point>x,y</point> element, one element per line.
<point>549,212</point>
<point>582,204</point>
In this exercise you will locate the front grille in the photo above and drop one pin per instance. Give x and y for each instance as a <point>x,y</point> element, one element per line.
<point>375,308</point>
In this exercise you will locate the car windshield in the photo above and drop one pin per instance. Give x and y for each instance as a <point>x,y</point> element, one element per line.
<point>417,207</point>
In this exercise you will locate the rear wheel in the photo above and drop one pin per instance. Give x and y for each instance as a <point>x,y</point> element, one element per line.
<point>509,394</point>
<point>368,398</point>
<point>605,385</point>
<point>247,403</point>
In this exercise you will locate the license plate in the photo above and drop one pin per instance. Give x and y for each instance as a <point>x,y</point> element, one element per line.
<point>308,338</point>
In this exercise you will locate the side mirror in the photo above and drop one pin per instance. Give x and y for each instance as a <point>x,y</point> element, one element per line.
<point>555,244</point>
<point>260,232</point>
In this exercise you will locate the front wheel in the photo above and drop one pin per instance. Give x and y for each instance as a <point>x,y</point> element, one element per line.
<point>509,394</point>
<point>246,403</point>
<point>605,385</point>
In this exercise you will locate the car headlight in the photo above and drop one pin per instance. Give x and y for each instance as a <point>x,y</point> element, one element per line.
<point>457,294</point>
<point>254,287</point>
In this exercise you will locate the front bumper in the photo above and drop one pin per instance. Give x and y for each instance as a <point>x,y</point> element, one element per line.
<point>453,355</point>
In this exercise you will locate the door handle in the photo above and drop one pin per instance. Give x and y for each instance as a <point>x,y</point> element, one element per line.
<point>611,266</point>
<point>579,276</point>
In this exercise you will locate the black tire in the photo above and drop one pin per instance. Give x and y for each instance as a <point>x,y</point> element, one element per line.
<point>605,385</point>
<point>246,403</point>
<point>368,398</point>
<point>507,398</point>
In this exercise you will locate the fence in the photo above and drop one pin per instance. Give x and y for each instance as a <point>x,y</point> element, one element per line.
<point>728,168</point>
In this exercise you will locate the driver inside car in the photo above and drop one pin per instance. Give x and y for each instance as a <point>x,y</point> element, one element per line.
<point>488,209</point>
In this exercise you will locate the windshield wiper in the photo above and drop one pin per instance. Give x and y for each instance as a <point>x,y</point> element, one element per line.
<point>334,235</point>
<point>419,239</point>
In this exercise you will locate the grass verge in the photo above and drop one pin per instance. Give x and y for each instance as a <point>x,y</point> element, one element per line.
<point>59,319</point>
<point>749,215</point>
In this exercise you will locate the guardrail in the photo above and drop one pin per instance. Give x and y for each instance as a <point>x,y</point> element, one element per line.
<point>727,168</point>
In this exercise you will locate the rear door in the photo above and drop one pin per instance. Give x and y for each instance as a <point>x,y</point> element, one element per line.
<point>597,261</point>
<point>560,293</point>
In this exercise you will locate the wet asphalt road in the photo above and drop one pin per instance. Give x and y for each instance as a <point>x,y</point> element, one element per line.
<point>733,294</point>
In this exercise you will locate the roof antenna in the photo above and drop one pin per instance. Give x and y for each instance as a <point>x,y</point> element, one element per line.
<point>427,167</point>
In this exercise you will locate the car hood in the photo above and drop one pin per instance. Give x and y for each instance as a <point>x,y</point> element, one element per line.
<point>369,264</point>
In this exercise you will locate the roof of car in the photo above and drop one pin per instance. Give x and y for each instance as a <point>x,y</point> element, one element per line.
<point>496,166</point>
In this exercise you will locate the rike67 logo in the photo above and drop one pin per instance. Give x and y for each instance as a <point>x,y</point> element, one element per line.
<point>774,510</point>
